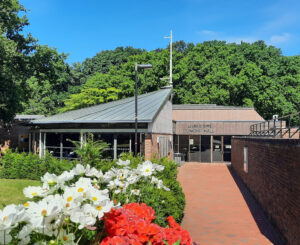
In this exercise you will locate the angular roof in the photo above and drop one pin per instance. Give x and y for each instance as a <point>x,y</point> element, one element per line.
<point>120,111</point>
<point>208,107</point>
<point>212,112</point>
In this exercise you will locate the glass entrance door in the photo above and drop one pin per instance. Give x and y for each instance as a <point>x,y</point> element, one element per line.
<point>195,153</point>
<point>217,149</point>
<point>205,148</point>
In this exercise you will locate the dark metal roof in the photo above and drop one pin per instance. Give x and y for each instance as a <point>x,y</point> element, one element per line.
<point>209,107</point>
<point>120,111</point>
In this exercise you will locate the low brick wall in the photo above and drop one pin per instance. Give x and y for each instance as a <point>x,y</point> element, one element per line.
<point>273,178</point>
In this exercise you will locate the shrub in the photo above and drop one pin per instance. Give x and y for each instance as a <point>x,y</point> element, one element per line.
<point>165,203</point>
<point>30,166</point>
<point>70,207</point>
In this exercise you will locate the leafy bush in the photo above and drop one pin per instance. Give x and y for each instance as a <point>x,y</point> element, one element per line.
<point>91,151</point>
<point>70,207</point>
<point>30,166</point>
<point>165,203</point>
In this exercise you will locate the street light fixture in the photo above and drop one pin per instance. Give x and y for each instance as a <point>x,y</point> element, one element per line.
<point>142,66</point>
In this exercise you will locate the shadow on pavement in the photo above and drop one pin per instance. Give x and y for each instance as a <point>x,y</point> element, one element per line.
<point>264,224</point>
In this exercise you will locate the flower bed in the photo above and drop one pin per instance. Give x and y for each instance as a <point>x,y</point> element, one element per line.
<point>78,206</point>
<point>132,224</point>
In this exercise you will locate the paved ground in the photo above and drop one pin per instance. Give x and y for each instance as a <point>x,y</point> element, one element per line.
<point>221,210</point>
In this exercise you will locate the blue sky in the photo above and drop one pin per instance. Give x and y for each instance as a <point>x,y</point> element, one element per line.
<point>84,27</point>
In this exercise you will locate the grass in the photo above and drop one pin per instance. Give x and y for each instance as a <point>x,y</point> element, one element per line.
<point>11,190</point>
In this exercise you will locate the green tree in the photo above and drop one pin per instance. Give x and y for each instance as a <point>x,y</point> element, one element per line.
<point>90,96</point>
<point>14,47</point>
<point>48,86</point>
<point>212,72</point>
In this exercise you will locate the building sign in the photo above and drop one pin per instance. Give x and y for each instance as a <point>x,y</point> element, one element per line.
<point>197,128</point>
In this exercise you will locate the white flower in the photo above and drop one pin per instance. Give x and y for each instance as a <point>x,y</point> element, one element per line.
<point>70,200</point>
<point>83,217</point>
<point>159,183</point>
<point>26,230</point>
<point>158,167</point>
<point>146,168</point>
<point>8,217</point>
<point>99,209</point>
<point>23,235</point>
<point>24,241</point>
<point>120,162</point>
<point>65,176</point>
<point>133,178</point>
<point>91,172</point>
<point>111,185</point>
<point>83,186</point>
<point>67,239</point>
<point>78,170</point>
<point>49,179</point>
<point>45,211</point>
<point>135,192</point>
<point>5,237</point>
<point>97,196</point>
<point>33,191</point>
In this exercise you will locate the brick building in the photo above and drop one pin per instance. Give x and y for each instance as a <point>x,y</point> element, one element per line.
<point>183,132</point>
<point>16,134</point>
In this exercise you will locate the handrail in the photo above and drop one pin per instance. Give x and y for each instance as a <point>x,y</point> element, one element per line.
<point>277,127</point>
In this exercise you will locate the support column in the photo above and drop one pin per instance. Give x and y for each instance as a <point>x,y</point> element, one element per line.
<point>29,141</point>
<point>130,142</point>
<point>115,146</point>
<point>81,139</point>
<point>222,147</point>
<point>40,145</point>
<point>61,147</point>
<point>200,149</point>
<point>34,143</point>
<point>211,147</point>
<point>44,149</point>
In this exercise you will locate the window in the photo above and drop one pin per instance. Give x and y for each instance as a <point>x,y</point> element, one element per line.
<point>246,159</point>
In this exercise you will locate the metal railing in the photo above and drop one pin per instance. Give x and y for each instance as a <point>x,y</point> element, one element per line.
<point>283,127</point>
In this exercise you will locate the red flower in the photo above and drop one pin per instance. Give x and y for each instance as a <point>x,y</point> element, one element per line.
<point>142,211</point>
<point>119,240</point>
<point>132,225</point>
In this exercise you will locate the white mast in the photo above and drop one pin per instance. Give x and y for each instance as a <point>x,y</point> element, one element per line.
<point>171,63</point>
<point>171,60</point>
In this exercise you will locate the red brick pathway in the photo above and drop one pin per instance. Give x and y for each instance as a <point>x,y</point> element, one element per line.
<point>216,211</point>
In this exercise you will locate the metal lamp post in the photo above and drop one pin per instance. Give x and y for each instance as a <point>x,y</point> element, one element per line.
<point>143,66</point>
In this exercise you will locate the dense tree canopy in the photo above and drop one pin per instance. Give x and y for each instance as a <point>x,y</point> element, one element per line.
<point>13,48</point>
<point>33,79</point>
<point>213,72</point>
<point>36,79</point>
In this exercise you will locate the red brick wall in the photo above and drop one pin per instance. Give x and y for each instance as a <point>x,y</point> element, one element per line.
<point>273,178</point>
<point>151,146</point>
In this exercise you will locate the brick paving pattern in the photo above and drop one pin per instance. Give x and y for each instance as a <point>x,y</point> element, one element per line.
<point>220,209</point>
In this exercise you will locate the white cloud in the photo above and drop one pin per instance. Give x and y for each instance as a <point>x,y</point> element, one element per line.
<point>248,39</point>
<point>278,39</point>
<point>212,35</point>
<point>208,32</point>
